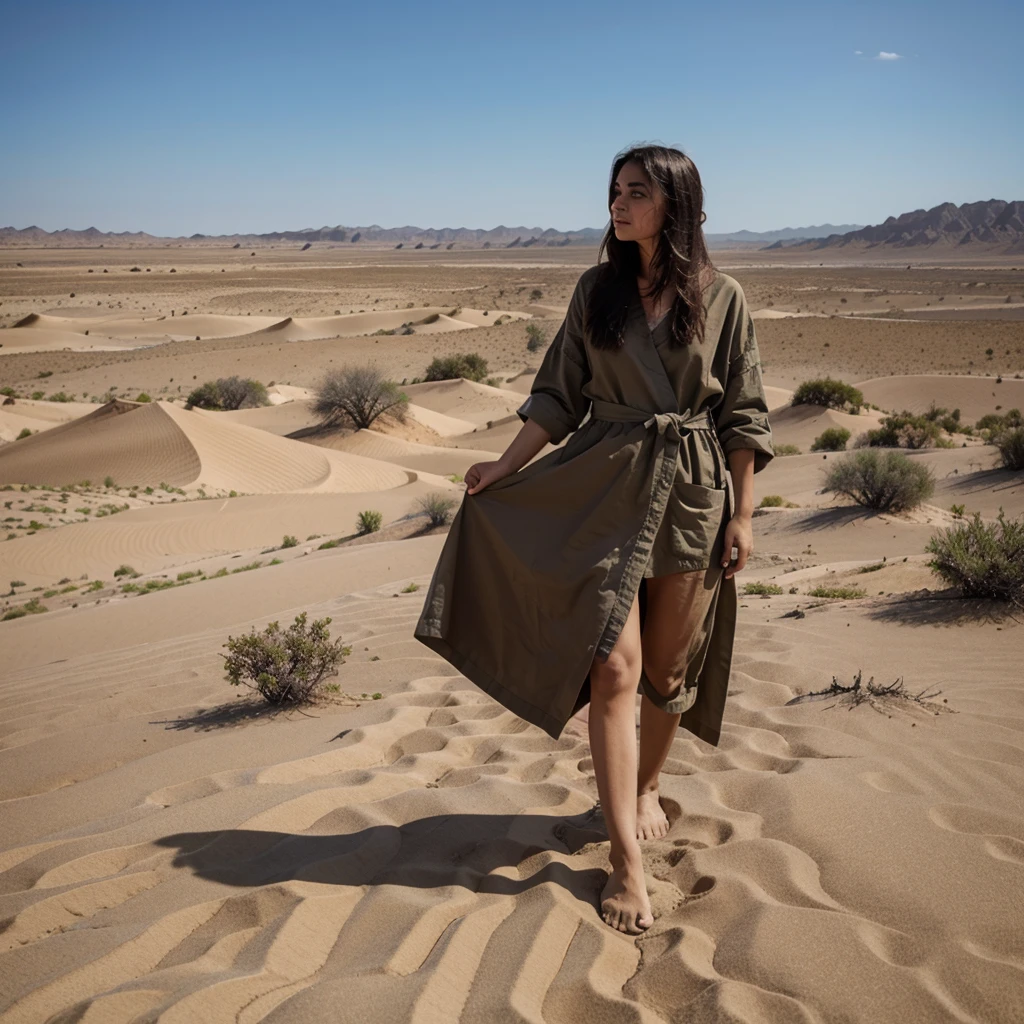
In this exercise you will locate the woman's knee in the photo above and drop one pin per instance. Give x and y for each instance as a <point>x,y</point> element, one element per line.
<point>618,674</point>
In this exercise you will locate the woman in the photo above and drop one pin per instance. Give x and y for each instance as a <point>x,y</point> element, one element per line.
<point>605,565</point>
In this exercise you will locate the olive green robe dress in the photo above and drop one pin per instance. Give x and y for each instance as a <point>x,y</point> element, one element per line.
<point>540,569</point>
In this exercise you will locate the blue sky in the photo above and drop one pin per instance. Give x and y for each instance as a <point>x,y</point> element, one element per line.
<point>219,117</point>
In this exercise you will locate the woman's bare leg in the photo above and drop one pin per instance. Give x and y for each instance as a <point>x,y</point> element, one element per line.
<point>612,728</point>
<point>677,607</point>
<point>657,731</point>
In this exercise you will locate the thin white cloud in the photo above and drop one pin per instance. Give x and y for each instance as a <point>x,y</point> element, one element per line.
<point>885,55</point>
<point>857,53</point>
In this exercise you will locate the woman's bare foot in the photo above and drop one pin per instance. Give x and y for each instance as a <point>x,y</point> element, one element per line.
<point>624,902</point>
<point>651,822</point>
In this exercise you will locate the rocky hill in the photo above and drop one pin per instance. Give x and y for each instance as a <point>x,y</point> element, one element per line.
<point>994,224</point>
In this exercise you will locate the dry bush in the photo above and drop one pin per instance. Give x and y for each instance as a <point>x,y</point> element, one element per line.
<point>284,667</point>
<point>356,395</point>
<point>982,559</point>
<point>885,481</point>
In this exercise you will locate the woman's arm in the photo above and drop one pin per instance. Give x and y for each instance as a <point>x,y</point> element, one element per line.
<point>739,531</point>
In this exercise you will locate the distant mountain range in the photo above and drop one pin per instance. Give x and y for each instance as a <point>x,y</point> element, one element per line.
<point>403,237</point>
<point>782,234</point>
<point>993,223</point>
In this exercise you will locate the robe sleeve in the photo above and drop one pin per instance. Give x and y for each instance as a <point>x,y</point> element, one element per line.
<point>741,419</point>
<point>556,400</point>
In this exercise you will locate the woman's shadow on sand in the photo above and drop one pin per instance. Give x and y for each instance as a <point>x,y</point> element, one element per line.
<point>467,850</point>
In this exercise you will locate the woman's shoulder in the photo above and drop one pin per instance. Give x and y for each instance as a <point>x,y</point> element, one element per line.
<point>725,291</point>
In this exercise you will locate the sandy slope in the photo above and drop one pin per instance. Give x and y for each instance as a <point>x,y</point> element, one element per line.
<point>162,442</point>
<point>973,396</point>
<point>46,332</point>
<point>434,855</point>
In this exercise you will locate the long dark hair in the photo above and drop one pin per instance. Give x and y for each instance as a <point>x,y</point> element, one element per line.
<point>680,263</point>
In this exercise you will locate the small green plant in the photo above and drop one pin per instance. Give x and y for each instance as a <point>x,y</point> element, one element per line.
<point>284,667</point>
<point>411,588</point>
<point>872,568</point>
<point>143,397</point>
<point>32,607</point>
<point>125,570</point>
<point>829,393</point>
<point>833,439</point>
<point>787,449</point>
<point>772,501</point>
<point>765,589</point>
<point>327,544</point>
<point>982,559</point>
<point>188,575</point>
<point>456,478</point>
<point>95,585</point>
<point>25,432</point>
<point>884,481</point>
<point>369,521</point>
<point>289,541</point>
<point>846,593</point>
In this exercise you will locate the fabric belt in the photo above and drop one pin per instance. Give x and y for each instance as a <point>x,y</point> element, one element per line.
<point>670,424</point>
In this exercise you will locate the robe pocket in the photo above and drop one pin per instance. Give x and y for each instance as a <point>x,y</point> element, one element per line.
<point>695,517</point>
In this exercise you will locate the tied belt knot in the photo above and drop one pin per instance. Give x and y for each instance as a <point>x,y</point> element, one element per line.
<point>671,425</point>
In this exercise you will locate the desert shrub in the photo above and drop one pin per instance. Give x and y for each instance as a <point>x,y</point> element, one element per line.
<point>369,521</point>
<point>125,570</point>
<point>762,588</point>
<point>536,294</point>
<point>60,396</point>
<point>108,481</point>
<point>832,394</point>
<point>886,481</point>
<point>787,449</point>
<point>1010,443</point>
<point>328,544</point>
<point>906,430</point>
<point>841,592</point>
<point>534,337</point>
<point>143,397</point>
<point>438,506</point>
<point>410,588</point>
<point>982,559</point>
<point>995,422</point>
<point>25,432</point>
<point>289,541</point>
<point>284,667</point>
<point>833,439</point>
<point>228,393</point>
<point>468,365</point>
<point>356,395</point>
<point>772,501</point>
<point>32,607</point>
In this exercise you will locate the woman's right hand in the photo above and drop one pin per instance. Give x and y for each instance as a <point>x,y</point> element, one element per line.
<point>482,474</point>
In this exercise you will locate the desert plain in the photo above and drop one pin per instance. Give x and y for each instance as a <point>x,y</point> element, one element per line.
<point>407,849</point>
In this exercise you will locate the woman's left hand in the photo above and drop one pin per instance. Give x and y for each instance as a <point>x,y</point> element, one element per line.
<point>739,533</point>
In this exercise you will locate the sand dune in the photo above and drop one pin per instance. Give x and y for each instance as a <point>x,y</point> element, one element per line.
<point>973,396</point>
<point>429,458</point>
<point>964,476</point>
<point>433,855</point>
<point>41,415</point>
<point>160,442</point>
<point>801,424</point>
<point>40,333</point>
<point>464,400</point>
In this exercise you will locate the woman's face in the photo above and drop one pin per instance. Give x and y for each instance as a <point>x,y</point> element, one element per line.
<point>637,207</point>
